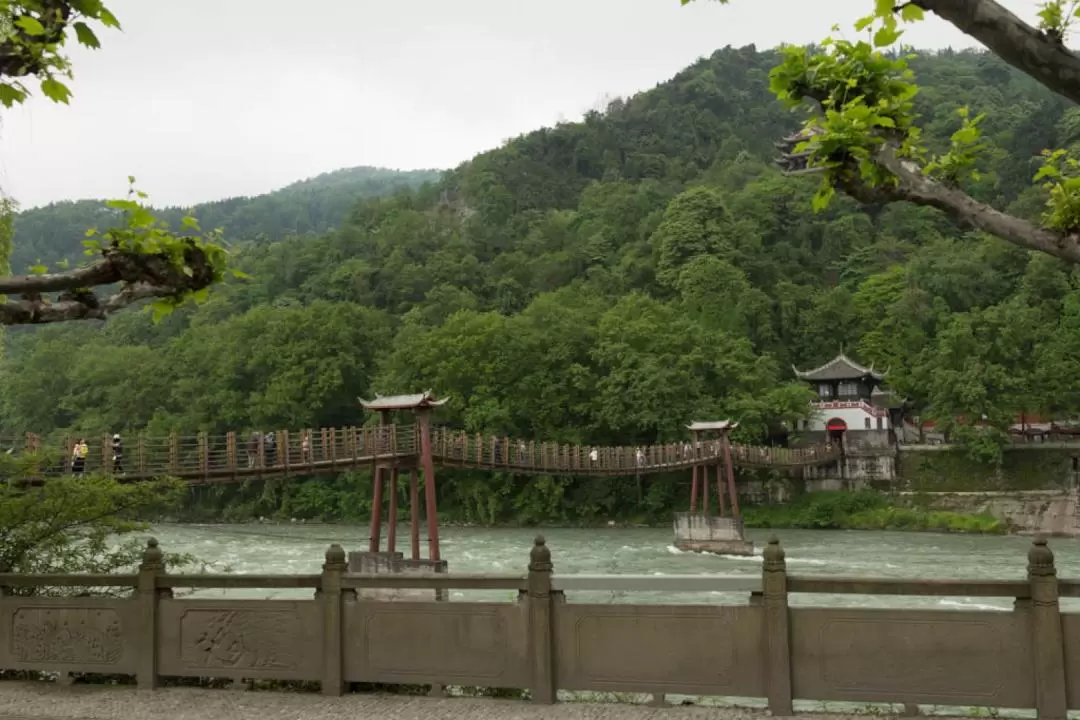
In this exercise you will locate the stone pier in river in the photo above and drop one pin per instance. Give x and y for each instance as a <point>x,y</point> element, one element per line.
<point>395,562</point>
<point>699,532</point>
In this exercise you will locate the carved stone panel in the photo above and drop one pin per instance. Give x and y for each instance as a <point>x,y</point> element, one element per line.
<point>241,638</point>
<point>660,648</point>
<point>66,636</point>
<point>932,657</point>
<point>238,639</point>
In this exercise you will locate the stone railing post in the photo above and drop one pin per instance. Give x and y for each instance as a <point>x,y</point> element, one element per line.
<point>540,623</point>
<point>777,634</point>
<point>147,594</point>
<point>330,593</point>
<point>1047,641</point>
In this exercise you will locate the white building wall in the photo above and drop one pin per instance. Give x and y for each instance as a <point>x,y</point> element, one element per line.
<point>855,414</point>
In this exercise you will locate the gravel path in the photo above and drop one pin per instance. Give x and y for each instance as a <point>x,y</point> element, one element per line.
<point>46,701</point>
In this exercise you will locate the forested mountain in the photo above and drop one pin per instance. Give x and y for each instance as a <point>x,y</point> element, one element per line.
<point>604,281</point>
<point>53,232</point>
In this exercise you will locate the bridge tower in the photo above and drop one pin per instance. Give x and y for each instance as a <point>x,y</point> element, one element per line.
<point>408,451</point>
<point>698,530</point>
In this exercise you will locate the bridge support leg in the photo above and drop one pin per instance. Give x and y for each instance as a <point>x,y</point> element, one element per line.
<point>731,480</point>
<point>391,518</point>
<point>375,533</point>
<point>705,488</point>
<point>414,514</point>
<point>694,489</point>
<point>429,484</point>
<point>719,490</point>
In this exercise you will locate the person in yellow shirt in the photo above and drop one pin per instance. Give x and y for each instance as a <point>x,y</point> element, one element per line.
<point>78,457</point>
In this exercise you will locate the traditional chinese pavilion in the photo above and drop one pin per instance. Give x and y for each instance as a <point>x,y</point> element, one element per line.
<point>854,411</point>
<point>846,398</point>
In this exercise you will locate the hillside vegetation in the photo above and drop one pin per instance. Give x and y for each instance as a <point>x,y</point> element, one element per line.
<point>53,232</point>
<point>603,281</point>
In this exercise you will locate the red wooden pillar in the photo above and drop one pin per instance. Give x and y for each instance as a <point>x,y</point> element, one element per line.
<point>720,490</point>
<point>414,514</point>
<point>375,531</point>
<point>731,478</point>
<point>705,488</point>
<point>694,489</point>
<point>391,519</point>
<point>424,416</point>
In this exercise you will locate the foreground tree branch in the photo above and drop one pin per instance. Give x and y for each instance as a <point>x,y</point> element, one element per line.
<point>1038,53</point>
<point>140,276</point>
<point>912,185</point>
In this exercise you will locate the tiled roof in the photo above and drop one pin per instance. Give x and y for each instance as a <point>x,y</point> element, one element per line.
<point>840,367</point>
<point>713,425</point>
<point>402,402</point>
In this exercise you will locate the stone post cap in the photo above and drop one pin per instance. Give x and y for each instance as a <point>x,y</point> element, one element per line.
<point>335,557</point>
<point>1040,557</point>
<point>540,556</point>
<point>773,554</point>
<point>153,556</point>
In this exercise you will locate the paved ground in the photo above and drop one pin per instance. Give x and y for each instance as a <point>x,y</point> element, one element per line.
<point>45,701</point>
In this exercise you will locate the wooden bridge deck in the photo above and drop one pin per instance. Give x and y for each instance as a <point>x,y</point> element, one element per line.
<point>207,459</point>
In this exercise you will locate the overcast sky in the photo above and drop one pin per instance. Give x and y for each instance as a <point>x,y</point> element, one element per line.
<point>205,99</point>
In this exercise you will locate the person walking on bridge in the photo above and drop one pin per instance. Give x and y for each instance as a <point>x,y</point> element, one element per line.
<point>78,457</point>
<point>252,449</point>
<point>117,454</point>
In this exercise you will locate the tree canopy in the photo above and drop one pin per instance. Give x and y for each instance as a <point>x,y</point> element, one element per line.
<point>140,258</point>
<point>866,140</point>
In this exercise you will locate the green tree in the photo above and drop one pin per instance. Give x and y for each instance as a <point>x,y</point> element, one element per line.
<point>866,142</point>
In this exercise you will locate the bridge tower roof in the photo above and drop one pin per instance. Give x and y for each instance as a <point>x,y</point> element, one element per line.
<point>418,401</point>
<point>712,425</point>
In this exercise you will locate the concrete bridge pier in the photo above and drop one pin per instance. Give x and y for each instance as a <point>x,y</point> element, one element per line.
<point>700,531</point>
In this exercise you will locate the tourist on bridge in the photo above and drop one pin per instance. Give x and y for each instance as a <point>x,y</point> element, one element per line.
<point>117,454</point>
<point>78,457</point>
<point>593,456</point>
<point>268,447</point>
<point>305,446</point>
<point>252,449</point>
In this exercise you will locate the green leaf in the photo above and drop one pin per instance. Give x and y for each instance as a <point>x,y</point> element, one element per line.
<point>108,19</point>
<point>886,36</point>
<point>89,8</point>
<point>55,90</point>
<point>11,95</point>
<point>38,269</point>
<point>86,36</point>
<point>29,25</point>
<point>864,23</point>
<point>911,12</point>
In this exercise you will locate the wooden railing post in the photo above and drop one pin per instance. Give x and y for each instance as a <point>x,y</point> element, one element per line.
<point>540,624</point>
<point>140,454</point>
<point>778,639</point>
<point>230,453</point>
<point>204,455</point>
<point>152,565</point>
<point>284,450</point>
<point>174,453</point>
<point>1047,639</point>
<point>330,594</point>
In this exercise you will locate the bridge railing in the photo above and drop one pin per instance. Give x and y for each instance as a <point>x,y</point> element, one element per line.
<point>213,457</point>
<point>546,640</point>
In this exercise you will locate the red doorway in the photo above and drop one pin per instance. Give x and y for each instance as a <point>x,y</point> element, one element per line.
<point>836,429</point>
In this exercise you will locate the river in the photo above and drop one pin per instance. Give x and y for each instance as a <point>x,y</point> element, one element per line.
<point>299,548</point>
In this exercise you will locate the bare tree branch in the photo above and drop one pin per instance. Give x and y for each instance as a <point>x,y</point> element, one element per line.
<point>1042,56</point>
<point>139,275</point>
